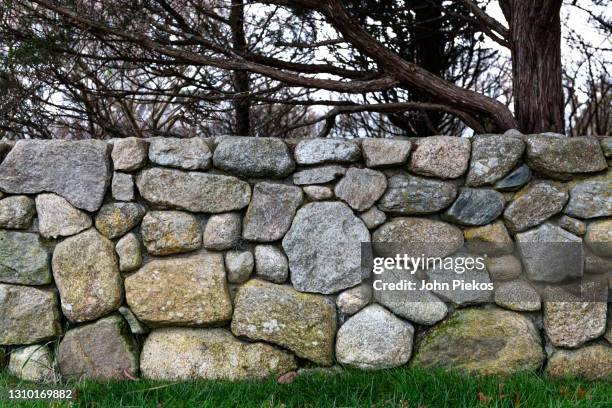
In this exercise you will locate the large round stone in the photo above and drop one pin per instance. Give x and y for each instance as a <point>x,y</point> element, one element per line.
<point>591,197</point>
<point>550,253</point>
<point>79,171</point>
<point>445,157</point>
<point>23,259</point>
<point>271,210</point>
<point>534,204</point>
<point>599,237</point>
<point>408,194</point>
<point>210,354</point>
<point>361,188</point>
<point>324,248</point>
<point>385,152</point>
<point>170,232</point>
<point>482,341</point>
<point>115,219</point>
<point>571,324</point>
<point>187,291</point>
<point>317,151</point>
<point>593,362</point>
<point>374,339</point>
<point>254,157</point>
<point>193,191</point>
<point>475,207</point>
<point>190,153</point>
<point>493,156</point>
<point>417,236</point>
<point>560,157</point>
<point>16,212</point>
<point>27,315</point>
<point>58,218</point>
<point>32,363</point>
<point>302,323</point>
<point>86,272</point>
<point>104,350</point>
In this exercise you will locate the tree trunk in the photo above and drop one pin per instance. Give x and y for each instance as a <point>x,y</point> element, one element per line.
<point>535,44</point>
<point>242,102</point>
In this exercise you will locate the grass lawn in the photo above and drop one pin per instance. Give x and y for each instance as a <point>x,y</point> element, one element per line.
<point>391,388</point>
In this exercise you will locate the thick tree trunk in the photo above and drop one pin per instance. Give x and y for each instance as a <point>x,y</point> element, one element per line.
<point>242,103</point>
<point>535,44</point>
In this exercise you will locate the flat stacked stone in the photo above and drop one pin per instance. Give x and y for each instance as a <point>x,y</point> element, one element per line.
<point>443,157</point>
<point>254,157</point>
<point>407,194</point>
<point>188,154</point>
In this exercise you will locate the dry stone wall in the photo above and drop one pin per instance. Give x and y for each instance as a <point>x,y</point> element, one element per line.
<point>240,258</point>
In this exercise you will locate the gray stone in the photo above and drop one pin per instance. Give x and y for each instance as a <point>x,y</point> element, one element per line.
<point>482,341</point>
<point>491,239</point>
<point>361,188</point>
<point>534,204</point>
<point>560,157</point>
<point>594,264</point>
<point>418,306</point>
<point>128,250</point>
<point>188,154</point>
<point>385,152</point>
<point>475,207</point>
<point>122,187</point>
<point>34,166</point>
<point>572,323</point>
<point>606,147</point>
<point>27,315</point>
<point>104,350</point>
<point>608,333</point>
<point>186,291</point>
<point>16,212</point>
<point>373,218</point>
<point>417,236</point>
<point>170,232</point>
<point>408,194</point>
<point>550,254</point>
<point>318,175</point>
<point>192,191</point>
<point>210,354</point>
<point>23,260</point>
<point>129,153</point>
<point>591,197</point>
<point>222,231</point>
<point>493,157</point>
<point>515,180</point>
<point>136,327</point>
<point>271,264</point>
<point>115,219</point>
<point>593,362</point>
<point>318,193</point>
<point>271,210</point>
<point>58,218</point>
<point>86,272</point>
<point>444,157</point>
<point>318,151</point>
<point>599,237</point>
<point>572,225</point>
<point>239,266</point>
<point>32,363</point>
<point>505,267</point>
<point>354,299</point>
<point>374,339</point>
<point>324,248</point>
<point>302,323</point>
<point>517,295</point>
<point>254,157</point>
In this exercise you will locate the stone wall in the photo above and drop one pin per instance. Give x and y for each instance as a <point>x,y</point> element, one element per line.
<point>241,257</point>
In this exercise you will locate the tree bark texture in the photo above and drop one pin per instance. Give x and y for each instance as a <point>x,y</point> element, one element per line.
<point>535,44</point>
<point>242,103</point>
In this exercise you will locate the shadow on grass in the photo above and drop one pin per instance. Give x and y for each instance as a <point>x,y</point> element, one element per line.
<point>402,387</point>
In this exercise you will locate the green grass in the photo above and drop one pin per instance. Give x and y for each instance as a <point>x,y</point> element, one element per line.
<point>389,388</point>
